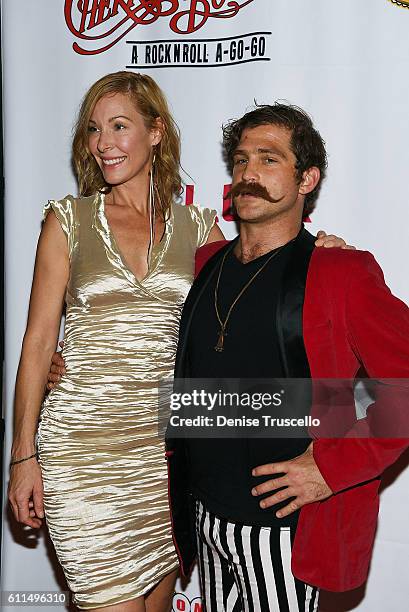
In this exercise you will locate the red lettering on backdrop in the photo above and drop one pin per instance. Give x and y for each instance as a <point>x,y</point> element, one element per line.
<point>93,13</point>
<point>190,191</point>
<point>121,16</point>
<point>227,205</point>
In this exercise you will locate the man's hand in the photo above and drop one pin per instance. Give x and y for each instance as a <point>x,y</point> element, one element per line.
<point>330,240</point>
<point>26,493</point>
<point>302,479</point>
<point>57,369</point>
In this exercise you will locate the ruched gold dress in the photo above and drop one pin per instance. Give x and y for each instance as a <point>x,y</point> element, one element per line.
<point>103,464</point>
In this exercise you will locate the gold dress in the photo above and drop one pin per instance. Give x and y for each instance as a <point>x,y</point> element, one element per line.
<point>103,464</point>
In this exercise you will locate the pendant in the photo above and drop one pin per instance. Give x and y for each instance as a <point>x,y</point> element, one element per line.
<point>219,346</point>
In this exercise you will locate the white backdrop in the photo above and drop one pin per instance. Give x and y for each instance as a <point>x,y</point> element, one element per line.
<point>347,63</point>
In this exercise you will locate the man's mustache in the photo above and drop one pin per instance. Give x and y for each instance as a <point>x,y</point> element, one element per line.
<point>254,189</point>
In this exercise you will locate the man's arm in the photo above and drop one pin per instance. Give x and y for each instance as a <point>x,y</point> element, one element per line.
<point>215,234</point>
<point>302,480</point>
<point>378,328</point>
<point>378,331</point>
<point>57,368</point>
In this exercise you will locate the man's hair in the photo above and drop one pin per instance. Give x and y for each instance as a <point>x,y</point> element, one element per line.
<point>306,142</point>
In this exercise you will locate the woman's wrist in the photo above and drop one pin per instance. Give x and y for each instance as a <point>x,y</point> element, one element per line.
<point>20,450</point>
<point>23,459</point>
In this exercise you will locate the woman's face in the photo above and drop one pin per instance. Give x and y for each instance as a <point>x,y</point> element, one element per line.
<point>119,140</point>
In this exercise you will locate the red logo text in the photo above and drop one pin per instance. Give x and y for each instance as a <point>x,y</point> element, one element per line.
<point>102,23</point>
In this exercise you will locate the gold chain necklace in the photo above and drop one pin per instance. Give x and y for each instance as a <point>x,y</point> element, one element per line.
<point>223,324</point>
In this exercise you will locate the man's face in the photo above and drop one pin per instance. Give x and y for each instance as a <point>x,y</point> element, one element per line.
<point>264,176</point>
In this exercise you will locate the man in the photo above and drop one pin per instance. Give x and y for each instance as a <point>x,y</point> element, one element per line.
<point>267,305</point>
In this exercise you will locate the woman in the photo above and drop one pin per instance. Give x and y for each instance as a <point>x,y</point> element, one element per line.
<point>122,258</point>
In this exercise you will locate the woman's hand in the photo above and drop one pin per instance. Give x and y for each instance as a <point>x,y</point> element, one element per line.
<point>330,240</point>
<point>57,368</point>
<point>25,493</point>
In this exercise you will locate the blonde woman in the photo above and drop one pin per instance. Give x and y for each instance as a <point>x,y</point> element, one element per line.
<point>121,257</point>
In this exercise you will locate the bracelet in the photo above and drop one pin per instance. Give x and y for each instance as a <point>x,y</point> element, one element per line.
<point>14,462</point>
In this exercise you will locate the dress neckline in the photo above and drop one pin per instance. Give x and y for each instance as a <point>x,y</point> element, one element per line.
<point>101,224</point>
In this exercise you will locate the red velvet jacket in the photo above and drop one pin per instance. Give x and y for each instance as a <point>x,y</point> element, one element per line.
<point>350,319</point>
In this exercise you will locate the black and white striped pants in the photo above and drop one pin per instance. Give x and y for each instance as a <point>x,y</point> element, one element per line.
<point>248,568</point>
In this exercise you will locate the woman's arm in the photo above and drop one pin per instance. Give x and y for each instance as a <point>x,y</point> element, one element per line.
<point>47,296</point>
<point>215,234</point>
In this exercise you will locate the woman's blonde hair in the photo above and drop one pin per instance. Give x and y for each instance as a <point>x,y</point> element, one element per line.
<point>151,104</point>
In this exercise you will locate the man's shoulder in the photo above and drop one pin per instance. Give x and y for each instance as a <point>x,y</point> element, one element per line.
<point>336,260</point>
<point>339,271</point>
<point>206,252</point>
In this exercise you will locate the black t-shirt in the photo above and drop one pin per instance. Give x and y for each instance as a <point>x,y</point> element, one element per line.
<point>221,468</point>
